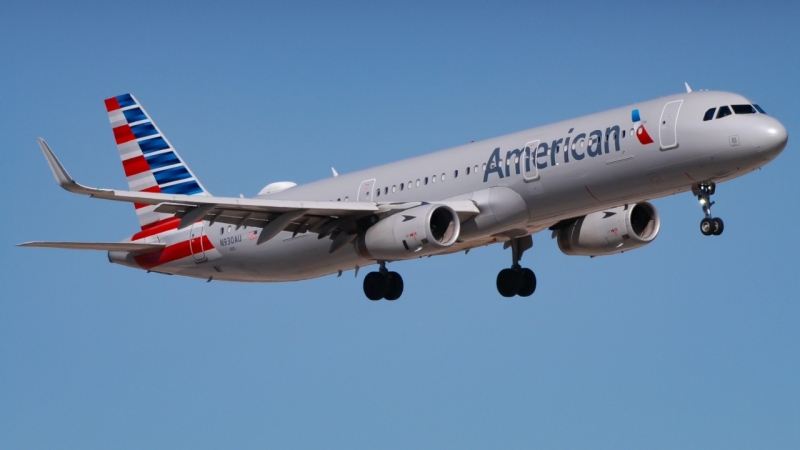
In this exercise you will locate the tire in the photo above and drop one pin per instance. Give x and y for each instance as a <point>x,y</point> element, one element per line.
<point>508,282</point>
<point>707,227</point>
<point>528,283</point>
<point>719,226</point>
<point>375,285</point>
<point>395,289</point>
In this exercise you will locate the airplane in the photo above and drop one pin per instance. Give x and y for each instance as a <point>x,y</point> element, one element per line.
<point>588,180</point>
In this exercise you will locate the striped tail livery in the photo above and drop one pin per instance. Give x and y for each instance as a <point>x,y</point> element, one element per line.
<point>150,162</point>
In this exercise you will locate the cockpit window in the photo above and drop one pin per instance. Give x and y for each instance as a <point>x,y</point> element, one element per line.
<point>723,111</point>
<point>743,109</point>
<point>759,109</point>
<point>709,114</point>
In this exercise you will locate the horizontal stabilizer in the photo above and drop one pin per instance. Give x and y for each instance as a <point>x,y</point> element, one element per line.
<point>107,246</point>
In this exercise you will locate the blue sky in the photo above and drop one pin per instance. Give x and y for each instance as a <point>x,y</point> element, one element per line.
<point>690,342</point>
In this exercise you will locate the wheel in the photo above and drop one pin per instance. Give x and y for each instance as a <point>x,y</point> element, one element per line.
<point>508,282</point>
<point>395,288</point>
<point>375,285</point>
<point>707,226</point>
<point>528,283</point>
<point>719,226</point>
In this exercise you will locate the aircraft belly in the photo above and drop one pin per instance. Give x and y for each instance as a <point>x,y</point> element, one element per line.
<point>287,258</point>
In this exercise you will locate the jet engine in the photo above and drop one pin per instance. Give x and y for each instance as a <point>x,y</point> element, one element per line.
<point>613,231</point>
<point>415,232</point>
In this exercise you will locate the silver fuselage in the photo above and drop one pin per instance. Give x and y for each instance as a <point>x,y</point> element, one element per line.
<point>517,194</point>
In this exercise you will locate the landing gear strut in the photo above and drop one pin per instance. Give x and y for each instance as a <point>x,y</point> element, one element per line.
<point>383,284</point>
<point>709,225</point>
<point>517,280</point>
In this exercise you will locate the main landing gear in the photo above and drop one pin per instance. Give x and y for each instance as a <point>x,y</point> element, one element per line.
<point>517,280</point>
<point>383,284</point>
<point>709,225</point>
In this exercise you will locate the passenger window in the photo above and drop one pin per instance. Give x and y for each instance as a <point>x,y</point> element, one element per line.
<point>394,188</point>
<point>417,182</point>
<point>402,186</point>
<point>426,181</point>
<point>455,174</point>
<point>410,184</point>
<point>467,170</point>
<point>476,169</point>
<point>743,109</point>
<point>378,194</point>
<point>442,176</point>
<point>433,180</point>
<point>758,108</point>
<point>386,190</point>
<point>709,115</point>
<point>723,111</point>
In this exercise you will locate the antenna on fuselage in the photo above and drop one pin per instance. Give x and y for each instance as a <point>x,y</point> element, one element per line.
<point>688,89</point>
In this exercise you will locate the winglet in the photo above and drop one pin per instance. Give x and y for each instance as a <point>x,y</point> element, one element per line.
<point>62,177</point>
<point>688,89</point>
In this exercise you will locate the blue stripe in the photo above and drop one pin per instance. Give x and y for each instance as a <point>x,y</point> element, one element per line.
<point>125,100</point>
<point>162,160</point>
<point>635,116</point>
<point>134,115</point>
<point>170,175</point>
<point>153,145</point>
<point>188,188</point>
<point>144,130</point>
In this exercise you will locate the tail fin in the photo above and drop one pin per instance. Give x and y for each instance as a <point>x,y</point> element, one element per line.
<point>151,163</point>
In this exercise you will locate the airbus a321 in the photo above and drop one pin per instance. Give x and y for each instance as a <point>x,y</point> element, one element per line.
<point>587,179</point>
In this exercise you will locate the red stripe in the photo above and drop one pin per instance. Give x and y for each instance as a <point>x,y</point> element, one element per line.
<point>123,134</point>
<point>112,104</point>
<point>157,227</point>
<point>154,189</point>
<point>135,166</point>
<point>172,253</point>
<point>164,256</point>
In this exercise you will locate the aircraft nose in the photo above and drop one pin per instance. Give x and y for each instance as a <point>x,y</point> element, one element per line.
<point>770,137</point>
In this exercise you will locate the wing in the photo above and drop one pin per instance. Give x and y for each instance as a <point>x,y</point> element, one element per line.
<point>273,216</point>
<point>107,246</point>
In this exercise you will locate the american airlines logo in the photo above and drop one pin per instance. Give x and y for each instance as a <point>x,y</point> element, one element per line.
<point>641,133</point>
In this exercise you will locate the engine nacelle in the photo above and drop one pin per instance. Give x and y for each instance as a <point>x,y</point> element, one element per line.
<point>415,232</point>
<point>613,231</point>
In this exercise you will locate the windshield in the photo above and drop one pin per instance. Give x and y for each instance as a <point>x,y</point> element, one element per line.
<point>743,109</point>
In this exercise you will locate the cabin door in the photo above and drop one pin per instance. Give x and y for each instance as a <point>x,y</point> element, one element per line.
<point>529,169</point>
<point>366,191</point>
<point>196,242</point>
<point>668,125</point>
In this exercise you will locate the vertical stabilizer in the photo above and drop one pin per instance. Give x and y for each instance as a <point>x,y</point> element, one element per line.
<point>150,162</point>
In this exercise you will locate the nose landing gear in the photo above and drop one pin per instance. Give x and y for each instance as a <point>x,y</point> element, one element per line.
<point>517,280</point>
<point>709,225</point>
<point>383,284</point>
